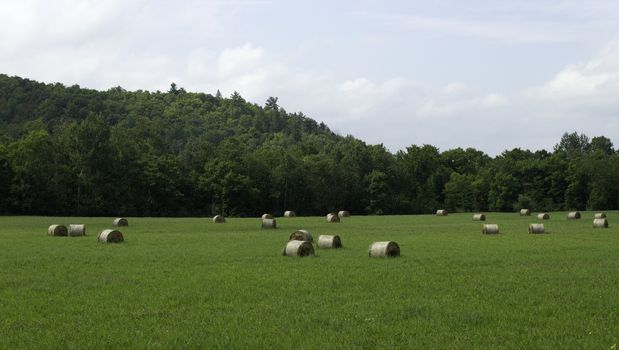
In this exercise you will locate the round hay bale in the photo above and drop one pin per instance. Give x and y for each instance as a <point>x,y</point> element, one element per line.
<point>384,249</point>
<point>343,214</point>
<point>441,212</point>
<point>301,235</point>
<point>267,216</point>
<point>536,228</point>
<point>290,214</point>
<point>573,215</point>
<point>110,236</point>
<point>600,223</point>
<point>77,230</point>
<point>525,212</point>
<point>57,230</point>
<point>543,216</point>
<point>298,248</point>
<point>329,242</point>
<point>490,229</point>
<point>269,223</point>
<point>599,216</point>
<point>331,217</point>
<point>219,219</point>
<point>118,222</point>
<point>479,217</point>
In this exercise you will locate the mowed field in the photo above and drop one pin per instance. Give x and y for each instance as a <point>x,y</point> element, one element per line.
<point>190,283</point>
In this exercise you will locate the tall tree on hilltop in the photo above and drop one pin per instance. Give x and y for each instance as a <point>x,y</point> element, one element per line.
<point>271,103</point>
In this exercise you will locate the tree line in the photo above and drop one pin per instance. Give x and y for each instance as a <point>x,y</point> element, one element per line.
<point>74,151</point>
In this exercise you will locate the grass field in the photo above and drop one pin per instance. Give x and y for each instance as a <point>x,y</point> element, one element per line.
<point>190,283</point>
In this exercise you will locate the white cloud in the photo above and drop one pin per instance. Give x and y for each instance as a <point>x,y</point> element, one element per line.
<point>525,22</point>
<point>239,61</point>
<point>592,82</point>
<point>516,32</point>
<point>34,25</point>
<point>581,97</point>
<point>457,99</point>
<point>138,44</point>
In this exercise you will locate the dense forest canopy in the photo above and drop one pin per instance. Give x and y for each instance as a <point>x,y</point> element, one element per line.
<point>74,151</point>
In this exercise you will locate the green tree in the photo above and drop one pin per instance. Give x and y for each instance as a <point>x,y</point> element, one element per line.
<point>34,188</point>
<point>573,145</point>
<point>503,193</point>
<point>94,163</point>
<point>378,192</point>
<point>460,193</point>
<point>602,144</point>
<point>272,103</point>
<point>6,178</point>
<point>422,178</point>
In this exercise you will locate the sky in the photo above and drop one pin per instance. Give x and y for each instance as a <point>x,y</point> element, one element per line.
<point>488,74</point>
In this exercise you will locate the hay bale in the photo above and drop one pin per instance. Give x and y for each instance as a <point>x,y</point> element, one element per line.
<point>110,236</point>
<point>343,214</point>
<point>441,212</point>
<point>298,248</point>
<point>573,215</point>
<point>599,216</point>
<point>525,212</point>
<point>267,216</point>
<point>600,223</point>
<point>384,249</point>
<point>331,217</point>
<point>543,216</point>
<point>118,222</point>
<point>490,229</point>
<point>57,230</point>
<point>290,214</point>
<point>269,223</point>
<point>479,217</point>
<point>301,235</point>
<point>536,228</point>
<point>219,219</point>
<point>77,230</point>
<point>329,242</point>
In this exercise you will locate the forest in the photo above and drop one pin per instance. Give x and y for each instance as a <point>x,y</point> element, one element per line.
<point>75,151</point>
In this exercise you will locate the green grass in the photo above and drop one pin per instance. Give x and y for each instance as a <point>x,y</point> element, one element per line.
<point>190,283</point>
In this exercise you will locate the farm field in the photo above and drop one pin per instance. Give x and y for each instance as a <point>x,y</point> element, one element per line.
<point>190,283</point>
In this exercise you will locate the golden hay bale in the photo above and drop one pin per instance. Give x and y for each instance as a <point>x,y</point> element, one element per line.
<point>441,212</point>
<point>267,216</point>
<point>118,222</point>
<point>343,214</point>
<point>290,214</point>
<point>525,212</point>
<point>298,248</point>
<point>301,235</point>
<point>269,223</point>
<point>479,217</point>
<point>599,216</point>
<point>110,236</point>
<point>384,249</point>
<point>329,241</point>
<point>489,229</point>
<point>77,230</point>
<point>57,230</point>
<point>600,223</point>
<point>543,216</point>
<point>219,219</point>
<point>332,217</point>
<point>573,215</point>
<point>536,228</point>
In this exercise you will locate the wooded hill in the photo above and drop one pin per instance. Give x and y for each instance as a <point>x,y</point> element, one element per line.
<point>74,151</point>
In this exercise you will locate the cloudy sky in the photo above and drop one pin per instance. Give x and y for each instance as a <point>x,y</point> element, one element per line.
<point>488,74</point>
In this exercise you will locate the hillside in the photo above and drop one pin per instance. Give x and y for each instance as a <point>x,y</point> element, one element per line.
<point>74,151</point>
